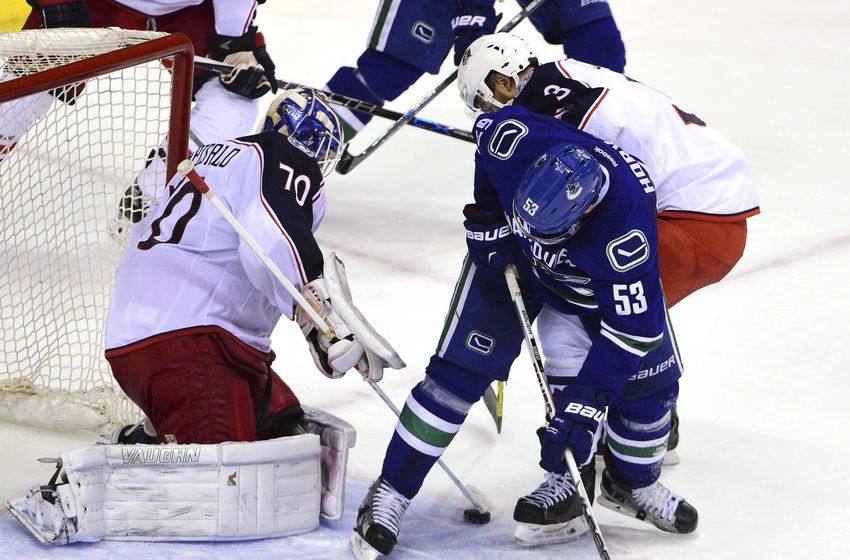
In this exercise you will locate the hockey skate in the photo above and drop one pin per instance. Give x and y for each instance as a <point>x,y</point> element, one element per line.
<point>128,434</point>
<point>378,521</point>
<point>655,504</point>
<point>550,514</point>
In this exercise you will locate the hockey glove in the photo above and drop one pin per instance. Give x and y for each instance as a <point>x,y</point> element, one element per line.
<point>576,425</point>
<point>477,18</point>
<point>492,246</point>
<point>334,355</point>
<point>253,70</point>
<point>62,13</point>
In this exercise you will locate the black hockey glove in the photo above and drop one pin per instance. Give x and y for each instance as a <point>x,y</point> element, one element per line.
<point>475,20</point>
<point>62,13</point>
<point>577,422</point>
<point>492,246</point>
<point>253,70</point>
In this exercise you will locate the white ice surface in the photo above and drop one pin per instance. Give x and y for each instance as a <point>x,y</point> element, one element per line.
<point>764,399</point>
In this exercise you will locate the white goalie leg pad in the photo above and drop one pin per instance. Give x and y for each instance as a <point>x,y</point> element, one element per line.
<point>228,491</point>
<point>337,437</point>
<point>379,352</point>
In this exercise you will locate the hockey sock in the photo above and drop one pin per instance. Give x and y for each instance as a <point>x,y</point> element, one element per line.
<point>377,78</point>
<point>432,415</point>
<point>637,431</point>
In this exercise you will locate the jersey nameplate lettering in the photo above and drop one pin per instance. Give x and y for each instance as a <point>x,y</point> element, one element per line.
<point>215,155</point>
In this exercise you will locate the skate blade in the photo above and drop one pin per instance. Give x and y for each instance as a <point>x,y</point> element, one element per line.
<point>529,534</point>
<point>14,508</point>
<point>361,549</point>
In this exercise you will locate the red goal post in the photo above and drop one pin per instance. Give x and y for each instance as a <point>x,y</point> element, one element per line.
<point>82,112</point>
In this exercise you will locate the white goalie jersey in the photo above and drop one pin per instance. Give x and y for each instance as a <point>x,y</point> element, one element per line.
<point>697,172</point>
<point>186,267</point>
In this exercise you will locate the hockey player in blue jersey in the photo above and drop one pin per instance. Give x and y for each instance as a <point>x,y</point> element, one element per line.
<point>412,37</point>
<point>577,217</point>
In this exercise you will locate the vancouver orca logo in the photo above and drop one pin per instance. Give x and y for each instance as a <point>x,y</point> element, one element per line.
<point>505,138</point>
<point>628,251</point>
<point>423,32</point>
<point>480,342</point>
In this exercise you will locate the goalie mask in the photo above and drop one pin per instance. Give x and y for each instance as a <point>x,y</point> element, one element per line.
<point>306,119</point>
<point>501,52</point>
<point>556,192</point>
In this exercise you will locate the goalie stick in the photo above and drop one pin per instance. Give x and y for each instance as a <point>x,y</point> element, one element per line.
<point>353,103</point>
<point>349,161</point>
<point>537,361</point>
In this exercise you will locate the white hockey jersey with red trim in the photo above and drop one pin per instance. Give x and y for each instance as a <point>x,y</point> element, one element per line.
<point>232,17</point>
<point>185,266</point>
<point>696,171</point>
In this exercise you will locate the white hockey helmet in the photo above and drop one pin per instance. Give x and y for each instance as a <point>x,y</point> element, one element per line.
<point>500,52</point>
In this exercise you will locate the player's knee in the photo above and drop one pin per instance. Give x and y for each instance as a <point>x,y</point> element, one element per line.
<point>598,42</point>
<point>377,78</point>
<point>460,382</point>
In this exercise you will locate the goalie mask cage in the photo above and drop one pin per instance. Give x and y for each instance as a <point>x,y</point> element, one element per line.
<point>80,110</point>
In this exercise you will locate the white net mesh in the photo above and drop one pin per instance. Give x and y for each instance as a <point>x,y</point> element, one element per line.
<point>66,160</point>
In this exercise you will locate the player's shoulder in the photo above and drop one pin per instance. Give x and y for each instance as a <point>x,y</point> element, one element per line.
<point>274,147</point>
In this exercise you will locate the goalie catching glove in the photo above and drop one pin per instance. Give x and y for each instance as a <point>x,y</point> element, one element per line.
<point>352,341</point>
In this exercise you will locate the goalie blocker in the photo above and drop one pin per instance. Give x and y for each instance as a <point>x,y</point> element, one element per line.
<point>228,491</point>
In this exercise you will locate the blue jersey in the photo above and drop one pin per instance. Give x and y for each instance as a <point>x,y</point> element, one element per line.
<point>609,268</point>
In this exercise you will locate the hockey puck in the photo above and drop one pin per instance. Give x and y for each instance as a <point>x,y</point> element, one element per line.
<point>472,515</point>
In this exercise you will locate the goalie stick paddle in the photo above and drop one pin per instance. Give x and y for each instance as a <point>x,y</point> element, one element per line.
<point>349,161</point>
<point>537,362</point>
<point>353,103</point>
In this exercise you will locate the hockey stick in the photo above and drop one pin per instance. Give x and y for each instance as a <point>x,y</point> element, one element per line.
<point>353,103</point>
<point>494,401</point>
<point>475,496</point>
<point>349,161</point>
<point>187,169</point>
<point>531,345</point>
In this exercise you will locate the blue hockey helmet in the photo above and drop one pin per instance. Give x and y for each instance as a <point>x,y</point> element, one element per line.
<point>305,117</point>
<point>555,193</point>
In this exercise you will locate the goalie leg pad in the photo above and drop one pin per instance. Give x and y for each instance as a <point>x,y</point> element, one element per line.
<point>228,491</point>
<point>337,436</point>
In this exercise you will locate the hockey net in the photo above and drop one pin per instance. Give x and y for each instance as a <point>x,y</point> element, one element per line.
<point>95,103</point>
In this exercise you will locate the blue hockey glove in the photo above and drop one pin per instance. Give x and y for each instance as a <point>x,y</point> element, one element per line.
<point>475,20</point>
<point>253,69</point>
<point>577,421</point>
<point>492,245</point>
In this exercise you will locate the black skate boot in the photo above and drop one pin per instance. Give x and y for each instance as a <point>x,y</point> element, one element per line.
<point>655,504</point>
<point>550,514</point>
<point>378,521</point>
